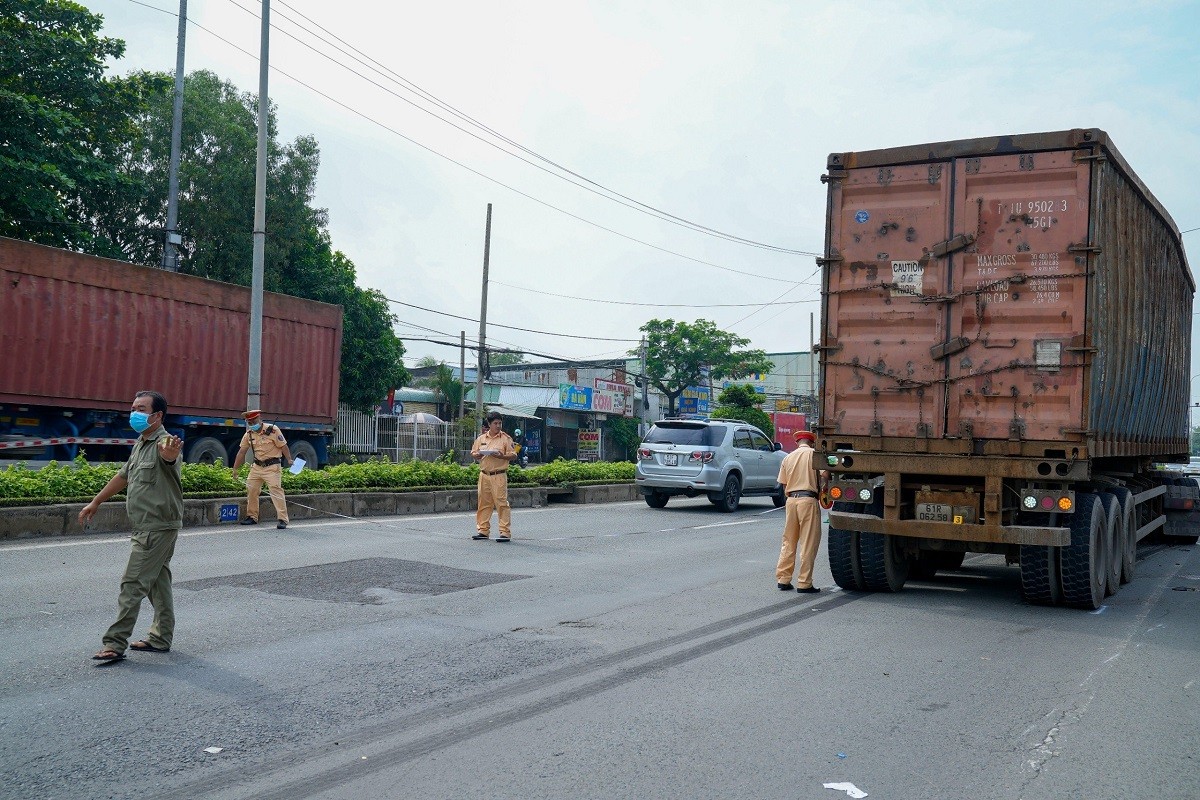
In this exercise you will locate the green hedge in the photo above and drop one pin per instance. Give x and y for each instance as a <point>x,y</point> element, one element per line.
<point>79,482</point>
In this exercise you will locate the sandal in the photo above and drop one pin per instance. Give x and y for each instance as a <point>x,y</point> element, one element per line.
<point>108,656</point>
<point>146,647</point>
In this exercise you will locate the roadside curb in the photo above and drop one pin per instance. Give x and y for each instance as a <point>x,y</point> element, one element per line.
<point>24,522</point>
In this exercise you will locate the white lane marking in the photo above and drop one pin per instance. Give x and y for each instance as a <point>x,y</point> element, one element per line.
<point>723,524</point>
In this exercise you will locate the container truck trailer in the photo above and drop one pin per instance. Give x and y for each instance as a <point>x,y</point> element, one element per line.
<point>79,335</point>
<point>1004,363</point>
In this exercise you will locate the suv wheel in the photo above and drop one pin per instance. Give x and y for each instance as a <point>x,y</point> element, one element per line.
<point>730,495</point>
<point>657,499</point>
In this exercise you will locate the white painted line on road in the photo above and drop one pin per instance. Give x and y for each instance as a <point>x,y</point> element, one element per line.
<point>1099,610</point>
<point>723,524</point>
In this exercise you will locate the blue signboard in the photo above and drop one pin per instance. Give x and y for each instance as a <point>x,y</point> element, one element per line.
<point>693,401</point>
<point>229,512</point>
<point>574,397</point>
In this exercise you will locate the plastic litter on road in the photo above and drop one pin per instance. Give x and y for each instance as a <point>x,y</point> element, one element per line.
<point>848,788</point>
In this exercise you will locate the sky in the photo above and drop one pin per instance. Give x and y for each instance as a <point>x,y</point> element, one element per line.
<point>720,114</point>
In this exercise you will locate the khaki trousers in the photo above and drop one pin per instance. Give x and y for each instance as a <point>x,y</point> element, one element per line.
<point>272,477</point>
<point>801,530</point>
<point>493,493</point>
<point>148,574</point>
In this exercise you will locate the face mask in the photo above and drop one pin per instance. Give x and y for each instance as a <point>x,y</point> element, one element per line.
<point>139,420</point>
<point>256,426</point>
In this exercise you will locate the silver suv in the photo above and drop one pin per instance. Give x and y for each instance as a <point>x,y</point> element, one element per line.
<point>725,459</point>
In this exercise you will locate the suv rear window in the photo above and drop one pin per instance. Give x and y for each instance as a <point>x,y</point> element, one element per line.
<point>686,435</point>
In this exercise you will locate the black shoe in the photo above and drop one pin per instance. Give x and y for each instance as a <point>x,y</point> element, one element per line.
<point>784,587</point>
<point>480,536</point>
<point>281,524</point>
<point>249,521</point>
<point>808,590</point>
<point>503,538</point>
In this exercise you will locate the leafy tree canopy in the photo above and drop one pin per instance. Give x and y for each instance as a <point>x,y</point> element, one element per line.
<point>678,353</point>
<point>505,359</point>
<point>741,396</point>
<point>64,127</point>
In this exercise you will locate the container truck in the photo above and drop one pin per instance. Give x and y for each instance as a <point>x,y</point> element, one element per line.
<point>79,335</point>
<point>1004,364</point>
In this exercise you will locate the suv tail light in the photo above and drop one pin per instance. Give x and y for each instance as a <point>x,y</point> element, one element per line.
<point>702,457</point>
<point>644,454</point>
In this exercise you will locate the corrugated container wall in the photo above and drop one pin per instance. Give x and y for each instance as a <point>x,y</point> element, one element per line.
<point>1005,296</point>
<point>81,331</point>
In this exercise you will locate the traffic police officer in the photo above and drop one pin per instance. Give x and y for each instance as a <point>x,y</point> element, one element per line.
<point>270,453</point>
<point>494,451</point>
<point>802,519</point>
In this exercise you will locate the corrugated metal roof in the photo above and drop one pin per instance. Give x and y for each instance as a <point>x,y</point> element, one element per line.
<point>527,396</point>
<point>509,411</point>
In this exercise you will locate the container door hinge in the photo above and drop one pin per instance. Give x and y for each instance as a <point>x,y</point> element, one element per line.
<point>951,245</point>
<point>1094,249</point>
<point>949,348</point>
<point>825,261</point>
<point>834,175</point>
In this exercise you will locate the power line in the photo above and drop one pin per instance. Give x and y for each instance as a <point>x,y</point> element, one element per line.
<point>653,305</point>
<point>509,327</point>
<point>472,170</point>
<point>395,77</point>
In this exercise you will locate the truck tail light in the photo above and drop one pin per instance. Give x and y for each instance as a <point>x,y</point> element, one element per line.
<point>836,492</point>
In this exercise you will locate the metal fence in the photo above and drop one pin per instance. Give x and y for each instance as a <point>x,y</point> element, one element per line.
<point>368,435</point>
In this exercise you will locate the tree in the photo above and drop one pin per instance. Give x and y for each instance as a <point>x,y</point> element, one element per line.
<point>505,359</point>
<point>623,433</point>
<point>678,354</point>
<point>448,388</point>
<point>64,127</point>
<point>742,402</point>
<point>216,217</point>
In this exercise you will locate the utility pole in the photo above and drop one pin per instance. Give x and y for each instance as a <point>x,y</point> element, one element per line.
<point>487,249</point>
<point>170,259</point>
<point>254,376</point>
<point>462,372</point>
<point>645,391</point>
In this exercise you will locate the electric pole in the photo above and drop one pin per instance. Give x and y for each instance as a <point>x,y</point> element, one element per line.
<point>170,259</point>
<point>487,249</point>
<point>254,376</point>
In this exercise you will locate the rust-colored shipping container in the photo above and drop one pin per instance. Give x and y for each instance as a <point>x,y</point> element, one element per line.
<point>81,332</point>
<point>1007,324</point>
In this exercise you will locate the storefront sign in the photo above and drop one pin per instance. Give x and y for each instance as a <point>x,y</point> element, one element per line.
<point>578,398</point>
<point>611,397</point>
<point>589,446</point>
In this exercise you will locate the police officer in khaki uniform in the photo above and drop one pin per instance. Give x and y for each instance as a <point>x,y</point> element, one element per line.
<point>270,454</point>
<point>494,451</point>
<point>154,504</point>
<point>801,482</point>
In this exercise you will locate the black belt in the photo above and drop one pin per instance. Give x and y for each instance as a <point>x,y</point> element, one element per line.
<point>803,493</point>
<point>494,472</point>
<point>270,462</point>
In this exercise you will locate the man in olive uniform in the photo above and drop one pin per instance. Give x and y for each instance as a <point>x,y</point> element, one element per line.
<point>801,482</point>
<point>494,451</point>
<point>270,454</point>
<point>154,504</point>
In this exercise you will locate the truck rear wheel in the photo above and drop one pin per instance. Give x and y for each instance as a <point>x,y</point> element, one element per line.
<point>302,449</point>
<point>1115,544</point>
<point>1040,583</point>
<point>845,561</point>
<point>206,450</point>
<point>1084,562</point>
<point>1128,537</point>
<point>883,564</point>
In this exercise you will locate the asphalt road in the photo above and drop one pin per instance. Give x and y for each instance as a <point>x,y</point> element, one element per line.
<point>611,651</point>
